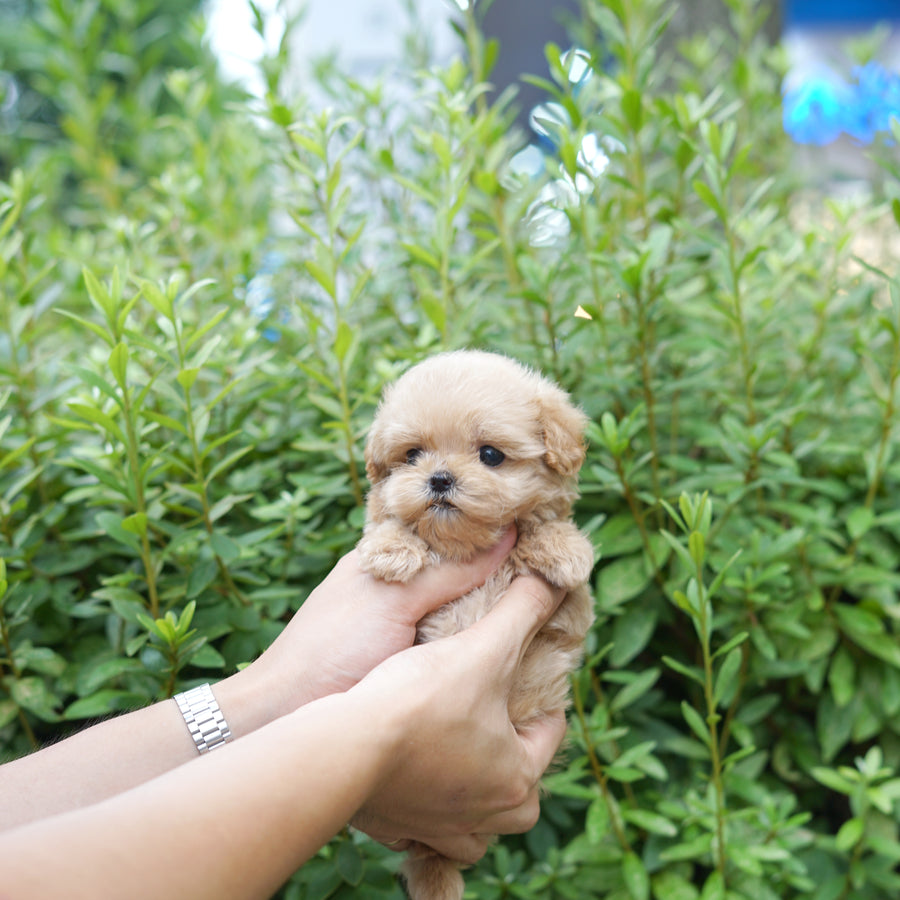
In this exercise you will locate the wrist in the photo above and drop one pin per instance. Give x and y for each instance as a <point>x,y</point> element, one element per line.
<point>247,702</point>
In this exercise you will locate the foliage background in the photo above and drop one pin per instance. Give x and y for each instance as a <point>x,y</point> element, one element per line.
<point>202,296</point>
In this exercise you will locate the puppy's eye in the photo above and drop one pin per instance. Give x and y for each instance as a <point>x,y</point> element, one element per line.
<point>412,455</point>
<point>491,456</point>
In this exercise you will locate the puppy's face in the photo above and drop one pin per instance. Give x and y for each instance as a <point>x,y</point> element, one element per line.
<point>467,443</point>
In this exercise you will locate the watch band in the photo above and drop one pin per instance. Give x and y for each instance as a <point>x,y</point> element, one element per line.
<point>203,718</point>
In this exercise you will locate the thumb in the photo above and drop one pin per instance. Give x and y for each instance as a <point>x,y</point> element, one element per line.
<point>519,615</point>
<point>436,585</point>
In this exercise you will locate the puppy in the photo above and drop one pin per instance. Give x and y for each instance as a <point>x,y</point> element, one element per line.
<point>463,445</point>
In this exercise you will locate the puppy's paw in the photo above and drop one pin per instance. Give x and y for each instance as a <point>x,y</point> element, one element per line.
<point>559,552</point>
<point>391,552</point>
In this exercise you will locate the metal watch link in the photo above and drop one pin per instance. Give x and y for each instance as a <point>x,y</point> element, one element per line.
<point>203,718</point>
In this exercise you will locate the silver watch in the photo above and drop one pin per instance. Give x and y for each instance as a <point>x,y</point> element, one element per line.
<point>203,718</point>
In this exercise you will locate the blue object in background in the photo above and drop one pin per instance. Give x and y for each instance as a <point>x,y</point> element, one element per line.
<point>823,107</point>
<point>824,103</point>
<point>839,12</point>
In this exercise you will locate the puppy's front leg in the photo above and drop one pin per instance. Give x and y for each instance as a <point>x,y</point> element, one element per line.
<point>558,551</point>
<point>392,552</point>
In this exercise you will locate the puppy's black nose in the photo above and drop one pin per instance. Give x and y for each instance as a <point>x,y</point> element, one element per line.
<point>441,482</point>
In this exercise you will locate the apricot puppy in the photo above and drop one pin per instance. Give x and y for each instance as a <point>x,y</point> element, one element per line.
<point>463,445</point>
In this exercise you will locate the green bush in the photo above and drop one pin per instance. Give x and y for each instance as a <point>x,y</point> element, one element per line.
<point>202,298</point>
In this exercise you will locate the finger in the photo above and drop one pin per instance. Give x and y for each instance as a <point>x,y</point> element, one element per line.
<point>465,849</point>
<point>514,821</point>
<point>541,739</point>
<point>436,585</point>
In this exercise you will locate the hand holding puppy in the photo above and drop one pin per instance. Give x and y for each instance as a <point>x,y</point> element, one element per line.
<point>348,625</point>
<point>462,771</point>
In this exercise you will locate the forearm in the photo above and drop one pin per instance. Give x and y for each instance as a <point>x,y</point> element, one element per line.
<point>247,816</point>
<point>113,756</point>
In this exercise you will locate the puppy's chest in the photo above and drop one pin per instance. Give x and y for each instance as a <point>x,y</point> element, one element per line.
<point>466,610</point>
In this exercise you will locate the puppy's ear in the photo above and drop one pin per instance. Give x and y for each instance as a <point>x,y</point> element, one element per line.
<point>376,457</point>
<point>562,427</point>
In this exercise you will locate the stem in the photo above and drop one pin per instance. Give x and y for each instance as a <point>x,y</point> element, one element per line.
<point>712,720</point>
<point>330,246</point>
<point>638,515</point>
<point>343,393</point>
<point>475,47</point>
<point>140,505</point>
<point>737,299</point>
<point>599,774</point>
<point>596,293</point>
<point>198,473</point>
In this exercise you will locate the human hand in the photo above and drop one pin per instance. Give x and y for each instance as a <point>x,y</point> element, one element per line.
<point>348,625</point>
<point>461,770</point>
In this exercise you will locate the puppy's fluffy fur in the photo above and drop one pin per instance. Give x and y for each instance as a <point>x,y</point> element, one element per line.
<point>462,446</point>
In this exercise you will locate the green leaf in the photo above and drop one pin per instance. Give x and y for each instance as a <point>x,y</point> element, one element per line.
<point>157,298</point>
<point>704,192</point>
<point>420,254</point>
<point>669,885</point>
<point>118,363</point>
<point>96,381</point>
<point>842,677</point>
<point>597,822</point>
<point>697,548</point>
<point>679,548</point>
<point>832,779</point>
<point>207,657</point>
<point>102,703</point>
<point>349,863</point>
<point>621,580</point>
<point>696,723</point>
<point>187,377</point>
<point>208,324</point>
<point>631,633</point>
<point>202,575</point>
<point>850,834</point>
<point>697,848</point>
<point>41,660</point>
<point>9,712</point>
<point>860,521</point>
<point>726,677</point>
<point>99,294</point>
<point>635,689</point>
<point>632,109</point>
<point>225,505</point>
<point>652,822</point>
<point>97,417</point>
<point>227,549</point>
<point>322,276</point>
<point>867,630</point>
<point>32,693</point>
<point>434,309</point>
<point>695,674</point>
<point>736,641</point>
<point>634,874</point>
<point>136,523</point>
<point>226,463</point>
<point>8,459</point>
<point>714,888</point>
<point>113,525</point>
<point>95,674</point>
<point>343,340</point>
